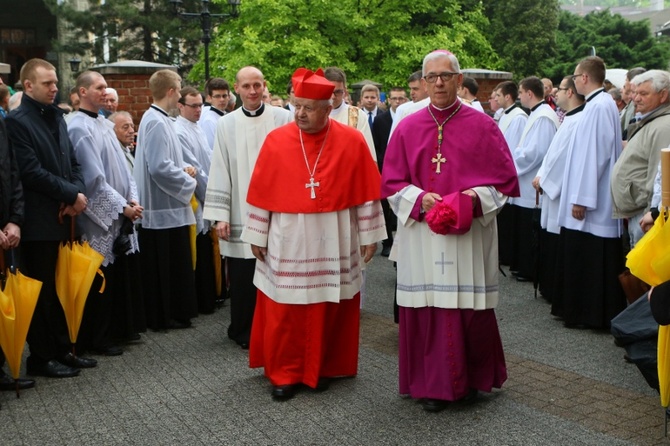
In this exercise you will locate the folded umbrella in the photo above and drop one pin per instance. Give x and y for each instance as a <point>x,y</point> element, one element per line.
<point>17,305</point>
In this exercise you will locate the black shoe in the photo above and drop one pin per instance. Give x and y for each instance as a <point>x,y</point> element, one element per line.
<point>386,251</point>
<point>110,350</point>
<point>8,383</point>
<point>178,325</point>
<point>283,393</point>
<point>51,369</point>
<point>323,384</point>
<point>78,361</point>
<point>243,345</point>
<point>433,405</point>
<point>133,337</point>
<point>523,279</point>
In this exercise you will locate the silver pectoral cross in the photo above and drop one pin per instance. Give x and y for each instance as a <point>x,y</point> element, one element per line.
<point>312,185</point>
<point>439,159</point>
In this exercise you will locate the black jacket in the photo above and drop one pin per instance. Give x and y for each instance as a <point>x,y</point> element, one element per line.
<point>49,170</point>
<point>380,135</point>
<point>11,192</point>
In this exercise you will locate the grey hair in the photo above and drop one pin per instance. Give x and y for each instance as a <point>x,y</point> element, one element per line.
<point>660,80</point>
<point>110,90</point>
<point>113,116</point>
<point>15,100</point>
<point>440,55</point>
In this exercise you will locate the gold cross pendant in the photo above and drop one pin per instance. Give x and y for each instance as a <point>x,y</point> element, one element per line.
<point>439,159</point>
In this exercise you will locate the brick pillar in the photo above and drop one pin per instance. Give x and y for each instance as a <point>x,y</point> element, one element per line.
<point>487,80</point>
<point>130,78</point>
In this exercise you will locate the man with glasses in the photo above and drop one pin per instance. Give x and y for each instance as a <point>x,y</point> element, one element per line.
<point>590,294</point>
<point>633,176</point>
<point>535,139</point>
<point>239,137</point>
<point>549,180</point>
<point>451,154</point>
<point>345,113</point>
<point>196,153</point>
<point>218,96</point>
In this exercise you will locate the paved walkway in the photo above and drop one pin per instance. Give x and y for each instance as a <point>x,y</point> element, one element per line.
<point>193,387</point>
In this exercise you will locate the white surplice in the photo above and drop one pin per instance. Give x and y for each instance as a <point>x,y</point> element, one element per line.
<point>511,124</point>
<point>341,114</point>
<point>594,148</point>
<point>313,258</point>
<point>196,153</point>
<point>552,170</point>
<point>447,271</point>
<point>164,188</point>
<point>208,120</point>
<point>528,155</point>
<point>109,184</point>
<point>237,143</point>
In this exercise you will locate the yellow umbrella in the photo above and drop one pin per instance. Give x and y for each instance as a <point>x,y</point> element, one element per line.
<point>216,256</point>
<point>650,262</point>
<point>17,305</point>
<point>193,231</point>
<point>76,268</point>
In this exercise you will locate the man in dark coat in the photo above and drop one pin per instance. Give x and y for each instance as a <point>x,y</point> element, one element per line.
<point>52,186</point>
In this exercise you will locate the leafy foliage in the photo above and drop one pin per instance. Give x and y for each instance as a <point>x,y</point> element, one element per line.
<point>523,33</point>
<point>621,43</point>
<point>134,29</point>
<point>383,40</point>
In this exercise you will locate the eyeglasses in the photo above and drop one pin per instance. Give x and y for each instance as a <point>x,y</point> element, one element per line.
<point>562,89</point>
<point>399,98</point>
<point>220,96</point>
<point>194,106</point>
<point>576,76</point>
<point>338,92</point>
<point>445,76</point>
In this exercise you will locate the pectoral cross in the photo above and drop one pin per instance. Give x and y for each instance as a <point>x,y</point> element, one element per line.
<point>439,159</point>
<point>312,185</point>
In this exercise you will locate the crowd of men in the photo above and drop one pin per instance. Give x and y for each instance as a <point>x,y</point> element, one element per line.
<point>279,207</point>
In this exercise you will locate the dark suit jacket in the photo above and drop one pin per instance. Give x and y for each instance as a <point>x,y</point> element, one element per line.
<point>660,303</point>
<point>380,135</point>
<point>49,169</point>
<point>12,207</point>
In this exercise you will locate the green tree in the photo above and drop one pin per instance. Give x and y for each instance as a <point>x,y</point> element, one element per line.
<point>621,43</point>
<point>132,29</point>
<point>383,40</point>
<point>522,32</point>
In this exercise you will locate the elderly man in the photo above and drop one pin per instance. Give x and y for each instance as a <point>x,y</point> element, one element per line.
<point>450,154</point>
<point>589,293</point>
<point>165,186</point>
<point>52,185</point>
<point>124,127</point>
<point>314,218</point>
<point>239,138</point>
<point>633,176</point>
<point>111,104</point>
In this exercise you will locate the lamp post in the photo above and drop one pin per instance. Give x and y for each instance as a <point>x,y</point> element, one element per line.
<point>206,22</point>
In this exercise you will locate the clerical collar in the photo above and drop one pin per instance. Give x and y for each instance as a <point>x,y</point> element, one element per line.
<point>254,113</point>
<point>594,94</point>
<point>510,108</point>
<point>536,106</point>
<point>160,110</point>
<point>575,110</point>
<point>89,113</point>
<point>217,111</point>
<point>455,104</point>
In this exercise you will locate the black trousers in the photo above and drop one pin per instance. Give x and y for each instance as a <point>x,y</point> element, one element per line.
<point>242,294</point>
<point>48,336</point>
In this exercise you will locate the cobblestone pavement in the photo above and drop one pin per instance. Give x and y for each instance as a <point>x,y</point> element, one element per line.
<point>194,387</point>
